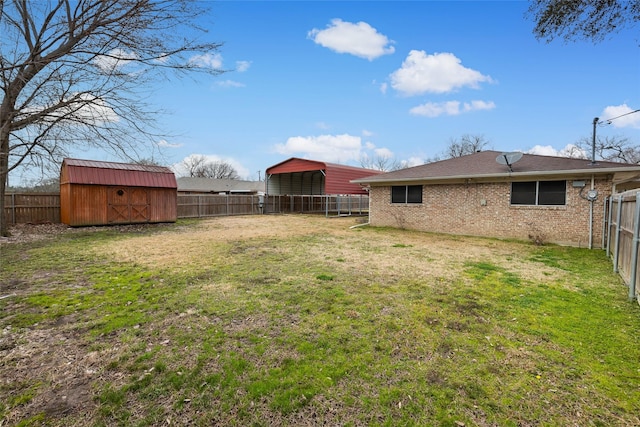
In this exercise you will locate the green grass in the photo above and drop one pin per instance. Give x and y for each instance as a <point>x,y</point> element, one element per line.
<point>323,328</point>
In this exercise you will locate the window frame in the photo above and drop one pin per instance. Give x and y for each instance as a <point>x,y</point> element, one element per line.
<point>408,198</point>
<point>523,196</point>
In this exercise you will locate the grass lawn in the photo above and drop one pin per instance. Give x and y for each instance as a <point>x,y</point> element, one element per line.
<point>299,320</point>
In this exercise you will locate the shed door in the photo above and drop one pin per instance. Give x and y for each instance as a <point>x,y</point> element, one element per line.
<point>128,205</point>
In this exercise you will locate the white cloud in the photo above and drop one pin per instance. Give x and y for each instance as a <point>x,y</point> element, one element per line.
<point>230,83</point>
<point>413,161</point>
<point>450,108</point>
<point>243,172</point>
<point>367,133</point>
<point>322,125</point>
<point>383,88</point>
<point>166,144</point>
<point>114,60</point>
<point>329,148</point>
<point>438,73</point>
<point>628,119</point>
<point>207,61</point>
<point>570,150</point>
<point>242,66</point>
<point>361,39</point>
<point>383,153</point>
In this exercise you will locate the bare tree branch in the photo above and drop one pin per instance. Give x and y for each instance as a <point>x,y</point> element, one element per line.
<point>75,73</point>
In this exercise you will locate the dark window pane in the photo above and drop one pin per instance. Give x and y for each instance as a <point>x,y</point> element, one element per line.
<point>398,194</point>
<point>523,193</point>
<point>552,192</point>
<point>414,194</point>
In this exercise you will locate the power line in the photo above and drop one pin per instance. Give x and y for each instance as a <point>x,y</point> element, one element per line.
<point>608,121</point>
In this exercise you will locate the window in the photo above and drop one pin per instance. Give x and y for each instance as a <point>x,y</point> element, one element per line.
<point>406,194</point>
<point>541,193</point>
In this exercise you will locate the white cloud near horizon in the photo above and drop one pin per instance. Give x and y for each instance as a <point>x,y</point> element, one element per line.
<point>450,108</point>
<point>628,119</point>
<point>570,150</point>
<point>329,148</point>
<point>438,73</point>
<point>358,39</point>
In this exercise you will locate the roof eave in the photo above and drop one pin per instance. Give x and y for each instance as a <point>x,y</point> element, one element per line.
<point>501,176</point>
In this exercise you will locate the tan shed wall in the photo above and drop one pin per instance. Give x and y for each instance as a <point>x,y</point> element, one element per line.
<point>484,209</point>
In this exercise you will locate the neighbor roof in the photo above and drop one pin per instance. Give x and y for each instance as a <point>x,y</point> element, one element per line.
<point>208,185</point>
<point>78,171</point>
<point>483,165</point>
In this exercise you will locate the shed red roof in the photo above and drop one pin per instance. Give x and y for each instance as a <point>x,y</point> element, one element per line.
<point>483,165</point>
<point>77,171</point>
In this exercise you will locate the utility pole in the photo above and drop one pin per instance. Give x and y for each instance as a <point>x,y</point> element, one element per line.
<point>593,142</point>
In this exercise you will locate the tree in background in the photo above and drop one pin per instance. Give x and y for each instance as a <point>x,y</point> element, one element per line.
<point>612,149</point>
<point>467,144</point>
<point>582,19</point>
<point>197,166</point>
<point>75,73</point>
<point>381,163</point>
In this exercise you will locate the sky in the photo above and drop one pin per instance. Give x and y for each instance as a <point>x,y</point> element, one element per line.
<point>342,81</point>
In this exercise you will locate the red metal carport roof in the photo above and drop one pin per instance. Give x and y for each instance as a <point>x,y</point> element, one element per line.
<point>337,177</point>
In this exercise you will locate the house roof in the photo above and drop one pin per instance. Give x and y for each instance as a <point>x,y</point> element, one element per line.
<point>483,165</point>
<point>93,172</point>
<point>208,185</point>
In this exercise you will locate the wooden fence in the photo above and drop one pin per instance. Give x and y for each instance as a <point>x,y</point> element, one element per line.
<point>22,208</point>
<point>622,234</point>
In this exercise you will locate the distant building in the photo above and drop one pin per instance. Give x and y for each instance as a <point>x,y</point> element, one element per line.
<point>188,185</point>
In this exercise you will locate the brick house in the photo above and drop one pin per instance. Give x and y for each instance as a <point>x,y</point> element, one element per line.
<point>552,199</point>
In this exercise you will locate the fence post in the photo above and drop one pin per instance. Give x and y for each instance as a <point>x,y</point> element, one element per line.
<point>13,208</point>
<point>604,222</point>
<point>609,215</point>
<point>618,232</point>
<point>634,249</point>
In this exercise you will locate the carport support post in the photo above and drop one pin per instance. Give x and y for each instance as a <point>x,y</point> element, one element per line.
<point>634,250</point>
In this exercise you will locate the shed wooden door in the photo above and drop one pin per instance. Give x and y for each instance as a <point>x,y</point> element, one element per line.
<point>128,205</point>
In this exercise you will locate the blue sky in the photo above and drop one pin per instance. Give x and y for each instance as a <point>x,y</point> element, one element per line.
<point>336,81</point>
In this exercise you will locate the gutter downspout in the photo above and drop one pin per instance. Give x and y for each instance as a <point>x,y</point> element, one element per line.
<point>591,202</point>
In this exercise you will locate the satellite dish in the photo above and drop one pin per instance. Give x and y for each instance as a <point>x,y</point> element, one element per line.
<point>509,158</point>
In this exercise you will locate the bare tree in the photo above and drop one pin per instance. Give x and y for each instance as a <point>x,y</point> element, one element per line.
<point>197,166</point>
<point>75,73</point>
<point>467,144</point>
<point>582,19</point>
<point>612,149</point>
<point>380,163</point>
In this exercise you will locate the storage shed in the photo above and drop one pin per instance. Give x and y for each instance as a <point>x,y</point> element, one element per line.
<point>103,193</point>
<point>310,177</point>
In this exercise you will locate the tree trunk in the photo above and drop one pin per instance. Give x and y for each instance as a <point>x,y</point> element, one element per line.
<point>4,173</point>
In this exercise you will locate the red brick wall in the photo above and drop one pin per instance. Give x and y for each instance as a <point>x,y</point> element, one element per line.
<point>484,209</point>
